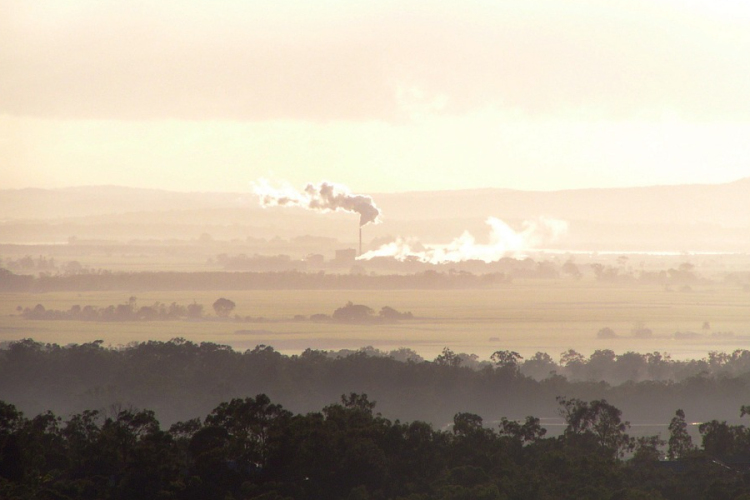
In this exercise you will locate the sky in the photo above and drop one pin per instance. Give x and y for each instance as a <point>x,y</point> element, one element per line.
<point>382,96</point>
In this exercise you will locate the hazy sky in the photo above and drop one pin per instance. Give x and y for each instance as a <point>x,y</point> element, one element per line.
<point>381,95</point>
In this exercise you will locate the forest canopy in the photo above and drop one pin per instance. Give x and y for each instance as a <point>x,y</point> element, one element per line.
<point>254,448</point>
<point>181,380</point>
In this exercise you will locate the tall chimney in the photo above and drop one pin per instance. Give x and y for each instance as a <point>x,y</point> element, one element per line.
<point>360,241</point>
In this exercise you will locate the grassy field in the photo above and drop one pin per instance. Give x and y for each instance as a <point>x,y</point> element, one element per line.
<point>525,316</point>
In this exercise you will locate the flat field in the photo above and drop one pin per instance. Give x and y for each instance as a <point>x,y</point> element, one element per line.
<point>526,317</point>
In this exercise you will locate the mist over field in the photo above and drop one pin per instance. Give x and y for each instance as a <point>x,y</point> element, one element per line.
<point>288,260</point>
<point>557,268</point>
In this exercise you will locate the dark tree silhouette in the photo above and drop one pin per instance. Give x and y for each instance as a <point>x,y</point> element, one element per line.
<point>597,420</point>
<point>506,359</point>
<point>353,312</point>
<point>223,307</point>
<point>448,358</point>
<point>680,442</point>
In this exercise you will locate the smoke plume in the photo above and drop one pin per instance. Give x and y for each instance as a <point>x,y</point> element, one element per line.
<point>324,197</point>
<point>504,241</point>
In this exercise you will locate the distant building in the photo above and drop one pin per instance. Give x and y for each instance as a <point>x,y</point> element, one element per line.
<point>315,259</point>
<point>345,257</point>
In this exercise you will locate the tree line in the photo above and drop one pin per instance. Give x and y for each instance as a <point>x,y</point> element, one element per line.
<point>602,365</point>
<point>223,280</point>
<point>504,270</point>
<point>223,307</point>
<point>128,311</point>
<point>253,448</point>
<point>180,380</point>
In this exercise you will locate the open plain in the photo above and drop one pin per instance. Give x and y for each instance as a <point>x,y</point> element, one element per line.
<point>525,316</point>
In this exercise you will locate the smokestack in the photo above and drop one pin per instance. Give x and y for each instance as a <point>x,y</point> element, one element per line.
<point>360,241</point>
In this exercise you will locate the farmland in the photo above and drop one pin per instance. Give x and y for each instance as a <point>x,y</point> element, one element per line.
<point>535,315</point>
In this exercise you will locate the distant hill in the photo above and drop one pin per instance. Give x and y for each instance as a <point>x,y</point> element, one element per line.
<point>687,217</point>
<point>725,204</point>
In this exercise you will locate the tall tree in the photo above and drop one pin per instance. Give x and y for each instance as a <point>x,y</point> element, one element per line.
<point>598,420</point>
<point>680,442</point>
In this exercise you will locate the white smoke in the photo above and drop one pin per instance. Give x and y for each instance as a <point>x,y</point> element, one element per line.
<point>324,197</point>
<point>504,241</point>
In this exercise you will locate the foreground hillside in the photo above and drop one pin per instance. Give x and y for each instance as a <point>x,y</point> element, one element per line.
<point>253,448</point>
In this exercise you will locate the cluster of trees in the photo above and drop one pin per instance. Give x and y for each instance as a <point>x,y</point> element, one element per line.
<point>27,264</point>
<point>181,380</point>
<point>45,266</point>
<point>360,313</point>
<point>128,311</point>
<point>638,331</point>
<point>504,270</point>
<point>684,274</point>
<point>253,448</point>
